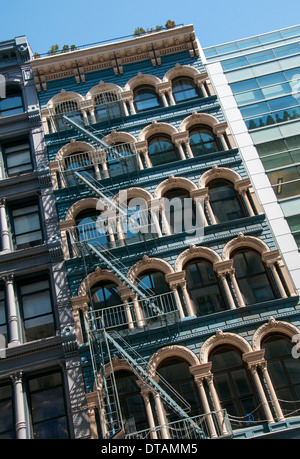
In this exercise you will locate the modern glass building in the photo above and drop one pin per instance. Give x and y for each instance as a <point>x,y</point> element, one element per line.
<point>258,82</point>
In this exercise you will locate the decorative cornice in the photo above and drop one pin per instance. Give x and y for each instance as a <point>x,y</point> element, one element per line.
<point>114,55</point>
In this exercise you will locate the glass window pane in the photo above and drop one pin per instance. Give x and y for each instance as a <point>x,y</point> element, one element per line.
<point>282,102</point>
<point>235,63</point>
<point>261,56</point>
<point>286,50</point>
<point>268,80</point>
<point>276,90</point>
<point>268,148</point>
<point>242,86</point>
<point>255,109</point>
<point>250,96</point>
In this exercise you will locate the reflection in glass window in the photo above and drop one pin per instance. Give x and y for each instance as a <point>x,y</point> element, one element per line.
<point>261,56</point>
<point>13,102</point>
<point>249,97</point>
<point>17,158</point>
<point>177,373</point>
<point>184,89</point>
<point>107,106</point>
<point>287,50</point>
<point>162,150</point>
<point>225,202</point>
<point>234,386</point>
<point>245,85</point>
<point>47,406</point>
<point>203,141</point>
<point>284,372</point>
<point>90,227</point>
<point>153,282</point>
<point>27,226</point>
<point>273,78</point>
<point>131,402</point>
<point>145,98</point>
<point>37,313</point>
<point>252,278</point>
<point>235,63</point>
<point>203,288</point>
<point>276,90</point>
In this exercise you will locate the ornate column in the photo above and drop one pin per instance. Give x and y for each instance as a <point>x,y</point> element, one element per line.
<point>253,360</point>
<point>165,221</point>
<point>145,393</point>
<point>187,300</point>
<point>5,242</point>
<point>200,372</point>
<point>277,407</point>
<point>161,417</point>
<point>223,268</point>
<point>13,325</point>
<point>154,205</point>
<point>220,131</point>
<point>242,187</point>
<point>217,405</point>
<point>199,198</point>
<point>174,280</point>
<point>19,405</point>
<point>236,288</point>
<point>142,150</point>
<point>270,259</point>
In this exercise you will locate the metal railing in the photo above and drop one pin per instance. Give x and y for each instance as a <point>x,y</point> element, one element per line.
<point>212,425</point>
<point>134,314</point>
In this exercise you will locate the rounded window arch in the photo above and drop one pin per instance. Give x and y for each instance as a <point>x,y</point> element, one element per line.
<point>145,98</point>
<point>203,287</point>
<point>162,150</point>
<point>184,88</point>
<point>176,372</point>
<point>253,277</point>
<point>202,140</point>
<point>12,104</point>
<point>234,386</point>
<point>225,201</point>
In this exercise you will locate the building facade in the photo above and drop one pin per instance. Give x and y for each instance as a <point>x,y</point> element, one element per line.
<point>257,80</point>
<point>39,365</point>
<point>185,312</point>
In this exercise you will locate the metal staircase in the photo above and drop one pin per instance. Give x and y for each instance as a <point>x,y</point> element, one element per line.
<point>105,344</point>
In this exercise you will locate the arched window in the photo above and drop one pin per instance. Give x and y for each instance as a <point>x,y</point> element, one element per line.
<point>90,227</point>
<point>225,201</point>
<point>153,282</point>
<point>12,104</point>
<point>107,106</point>
<point>179,207</point>
<point>131,403</point>
<point>252,277</point>
<point>162,150</point>
<point>70,109</point>
<point>203,141</point>
<point>203,287</point>
<point>108,305</point>
<point>184,88</point>
<point>145,98</point>
<point>177,374</point>
<point>234,387</point>
<point>284,372</point>
<point>114,165</point>
<point>79,162</point>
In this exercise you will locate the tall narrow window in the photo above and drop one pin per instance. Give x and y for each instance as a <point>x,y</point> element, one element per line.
<point>225,202</point>
<point>284,372</point>
<point>27,226</point>
<point>7,430</point>
<point>3,319</point>
<point>17,158</point>
<point>203,288</point>
<point>252,277</point>
<point>13,102</point>
<point>153,282</point>
<point>36,305</point>
<point>131,402</point>
<point>91,228</point>
<point>234,386</point>
<point>47,407</point>
<point>107,106</point>
<point>69,108</point>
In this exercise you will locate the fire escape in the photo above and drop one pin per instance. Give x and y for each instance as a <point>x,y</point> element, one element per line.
<point>107,330</point>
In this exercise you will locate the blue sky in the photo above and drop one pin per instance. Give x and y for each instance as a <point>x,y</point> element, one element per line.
<point>83,22</point>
